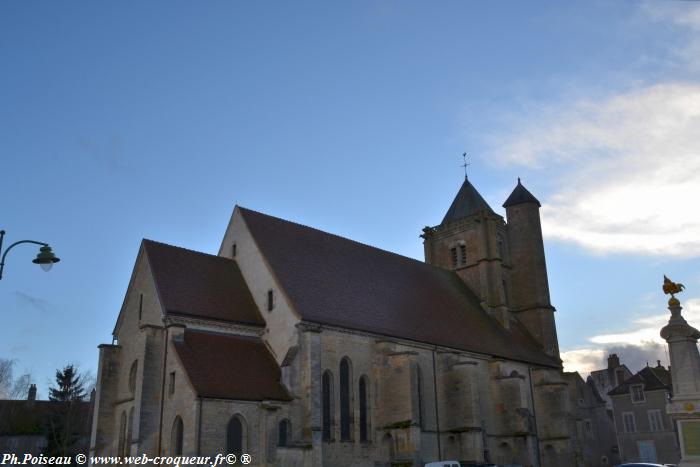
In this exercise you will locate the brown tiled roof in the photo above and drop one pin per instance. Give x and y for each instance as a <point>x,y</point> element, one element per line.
<point>230,367</point>
<point>651,378</point>
<point>25,417</point>
<point>335,281</point>
<point>197,284</point>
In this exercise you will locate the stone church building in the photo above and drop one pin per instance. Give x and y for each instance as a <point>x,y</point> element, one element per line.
<point>303,348</point>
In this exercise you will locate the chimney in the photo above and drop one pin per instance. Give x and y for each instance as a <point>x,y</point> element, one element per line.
<point>31,396</point>
<point>658,364</point>
<point>613,361</point>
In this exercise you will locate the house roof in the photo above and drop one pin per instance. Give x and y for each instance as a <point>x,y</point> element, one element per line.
<point>196,284</point>
<point>230,367</point>
<point>467,202</point>
<point>610,372</point>
<point>25,417</point>
<point>594,390</point>
<point>339,282</point>
<point>651,378</point>
<point>520,195</point>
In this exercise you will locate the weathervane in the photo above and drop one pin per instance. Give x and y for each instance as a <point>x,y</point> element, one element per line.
<point>465,165</point>
<point>671,288</point>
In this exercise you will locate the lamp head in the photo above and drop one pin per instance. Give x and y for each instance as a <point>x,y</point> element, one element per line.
<point>45,258</point>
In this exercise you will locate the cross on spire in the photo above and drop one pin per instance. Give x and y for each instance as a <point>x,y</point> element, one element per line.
<point>465,165</point>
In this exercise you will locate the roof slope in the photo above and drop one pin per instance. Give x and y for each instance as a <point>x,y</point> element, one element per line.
<point>201,285</point>
<point>25,417</point>
<point>594,390</point>
<point>520,195</point>
<point>230,367</point>
<point>651,378</point>
<point>335,281</point>
<point>467,202</point>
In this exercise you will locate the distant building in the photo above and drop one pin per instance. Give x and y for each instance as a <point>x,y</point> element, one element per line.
<point>607,379</point>
<point>644,430</point>
<point>24,425</point>
<point>595,443</point>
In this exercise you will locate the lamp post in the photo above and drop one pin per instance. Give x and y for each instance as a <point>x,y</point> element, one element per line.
<point>45,258</point>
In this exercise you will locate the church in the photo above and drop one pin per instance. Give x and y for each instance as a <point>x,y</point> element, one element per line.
<point>303,348</point>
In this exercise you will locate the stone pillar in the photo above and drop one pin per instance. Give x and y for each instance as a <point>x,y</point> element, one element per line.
<point>102,437</point>
<point>684,406</point>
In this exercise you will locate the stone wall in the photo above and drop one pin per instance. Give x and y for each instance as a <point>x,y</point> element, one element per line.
<point>281,321</point>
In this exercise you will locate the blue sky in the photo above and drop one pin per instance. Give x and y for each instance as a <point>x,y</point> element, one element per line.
<point>125,120</point>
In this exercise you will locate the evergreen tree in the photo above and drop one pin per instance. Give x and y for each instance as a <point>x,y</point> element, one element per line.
<point>65,419</point>
<point>70,386</point>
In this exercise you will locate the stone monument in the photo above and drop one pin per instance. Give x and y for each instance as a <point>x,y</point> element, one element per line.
<point>684,405</point>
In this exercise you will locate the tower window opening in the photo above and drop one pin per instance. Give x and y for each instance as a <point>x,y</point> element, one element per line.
<point>463,253</point>
<point>270,300</point>
<point>453,250</point>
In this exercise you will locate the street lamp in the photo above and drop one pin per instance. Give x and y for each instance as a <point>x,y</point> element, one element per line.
<point>45,258</point>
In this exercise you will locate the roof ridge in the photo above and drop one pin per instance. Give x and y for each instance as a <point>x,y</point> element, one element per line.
<point>408,258</point>
<point>224,334</point>
<point>148,240</point>
<point>653,372</point>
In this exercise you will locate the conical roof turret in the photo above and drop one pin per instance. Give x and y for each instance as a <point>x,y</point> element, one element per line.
<point>520,195</point>
<point>467,202</point>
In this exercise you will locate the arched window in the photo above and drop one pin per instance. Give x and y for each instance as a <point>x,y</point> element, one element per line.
<point>345,398</point>
<point>132,376</point>
<point>550,456</point>
<point>129,433</point>
<point>364,408</point>
<point>505,453</point>
<point>235,435</point>
<point>176,437</point>
<point>327,400</point>
<point>451,449</point>
<point>388,452</point>
<point>122,434</point>
<point>419,394</point>
<point>285,432</point>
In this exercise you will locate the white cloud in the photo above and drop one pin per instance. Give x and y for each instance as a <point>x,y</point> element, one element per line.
<point>647,329</point>
<point>583,360</point>
<point>686,16</point>
<point>630,170</point>
<point>636,346</point>
<point>627,166</point>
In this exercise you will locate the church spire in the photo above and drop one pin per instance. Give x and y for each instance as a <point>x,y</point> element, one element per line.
<point>467,202</point>
<point>520,195</point>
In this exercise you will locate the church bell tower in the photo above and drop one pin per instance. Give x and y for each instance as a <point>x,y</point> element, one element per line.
<point>470,240</point>
<point>502,263</point>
